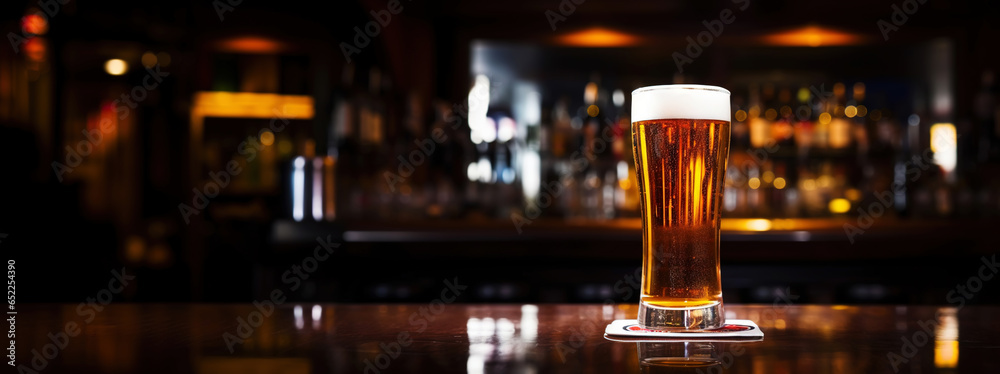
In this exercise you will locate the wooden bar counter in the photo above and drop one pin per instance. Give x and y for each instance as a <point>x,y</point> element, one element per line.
<point>442,337</point>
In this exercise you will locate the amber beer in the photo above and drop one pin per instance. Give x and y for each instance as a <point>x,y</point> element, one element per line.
<point>680,137</point>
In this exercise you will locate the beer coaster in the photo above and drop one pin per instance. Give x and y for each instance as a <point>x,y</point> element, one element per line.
<point>735,329</point>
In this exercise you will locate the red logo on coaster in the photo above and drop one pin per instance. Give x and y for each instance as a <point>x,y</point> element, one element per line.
<point>726,328</point>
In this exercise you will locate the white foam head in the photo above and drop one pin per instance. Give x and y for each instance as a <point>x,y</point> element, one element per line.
<point>680,101</point>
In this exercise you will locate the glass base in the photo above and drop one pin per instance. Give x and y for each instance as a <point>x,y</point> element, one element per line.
<point>653,317</point>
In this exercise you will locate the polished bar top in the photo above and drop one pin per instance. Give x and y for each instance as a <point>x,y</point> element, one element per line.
<point>478,338</point>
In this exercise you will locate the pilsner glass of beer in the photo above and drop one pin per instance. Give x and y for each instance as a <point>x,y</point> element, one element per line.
<point>680,137</point>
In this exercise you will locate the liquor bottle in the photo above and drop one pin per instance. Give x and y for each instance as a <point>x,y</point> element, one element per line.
<point>375,192</point>
<point>782,131</point>
<point>341,163</point>
<point>839,127</point>
<point>560,173</point>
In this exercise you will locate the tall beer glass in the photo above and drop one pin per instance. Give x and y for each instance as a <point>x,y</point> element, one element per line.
<point>680,137</point>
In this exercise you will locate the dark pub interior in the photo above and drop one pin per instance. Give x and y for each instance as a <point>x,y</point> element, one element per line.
<point>172,168</point>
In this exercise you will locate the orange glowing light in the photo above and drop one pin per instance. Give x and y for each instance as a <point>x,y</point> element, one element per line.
<point>275,107</point>
<point>593,110</point>
<point>34,24</point>
<point>757,224</point>
<point>598,37</point>
<point>251,105</point>
<point>266,137</point>
<point>624,184</point>
<point>946,354</point>
<point>35,49</point>
<point>812,36</point>
<point>839,206</point>
<point>779,183</point>
<point>116,66</point>
<point>250,44</point>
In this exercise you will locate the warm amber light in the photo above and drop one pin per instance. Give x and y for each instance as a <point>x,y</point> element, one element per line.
<point>116,66</point>
<point>252,105</point>
<point>862,111</point>
<point>754,183</point>
<point>771,114</point>
<point>851,111</point>
<point>758,225</point>
<point>838,89</point>
<point>942,136</point>
<point>34,24</point>
<point>590,93</point>
<point>35,49</point>
<point>803,94</point>
<point>824,181</point>
<point>267,137</point>
<point>859,91</point>
<point>779,183</point>
<point>148,59</point>
<point>593,110</point>
<point>812,36</point>
<point>624,183</point>
<point>250,44</point>
<point>598,37</point>
<point>946,354</point>
<point>824,118</point>
<point>852,194</point>
<point>741,115</point>
<point>944,143</point>
<point>839,206</point>
<point>768,176</point>
<point>747,224</point>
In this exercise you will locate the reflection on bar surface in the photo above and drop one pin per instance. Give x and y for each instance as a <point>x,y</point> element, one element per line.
<point>488,338</point>
<point>206,149</point>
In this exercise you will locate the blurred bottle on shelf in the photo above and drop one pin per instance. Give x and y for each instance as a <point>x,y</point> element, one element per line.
<point>375,152</point>
<point>559,172</point>
<point>795,152</point>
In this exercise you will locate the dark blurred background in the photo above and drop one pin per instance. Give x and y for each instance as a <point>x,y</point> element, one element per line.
<point>205,146</point>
